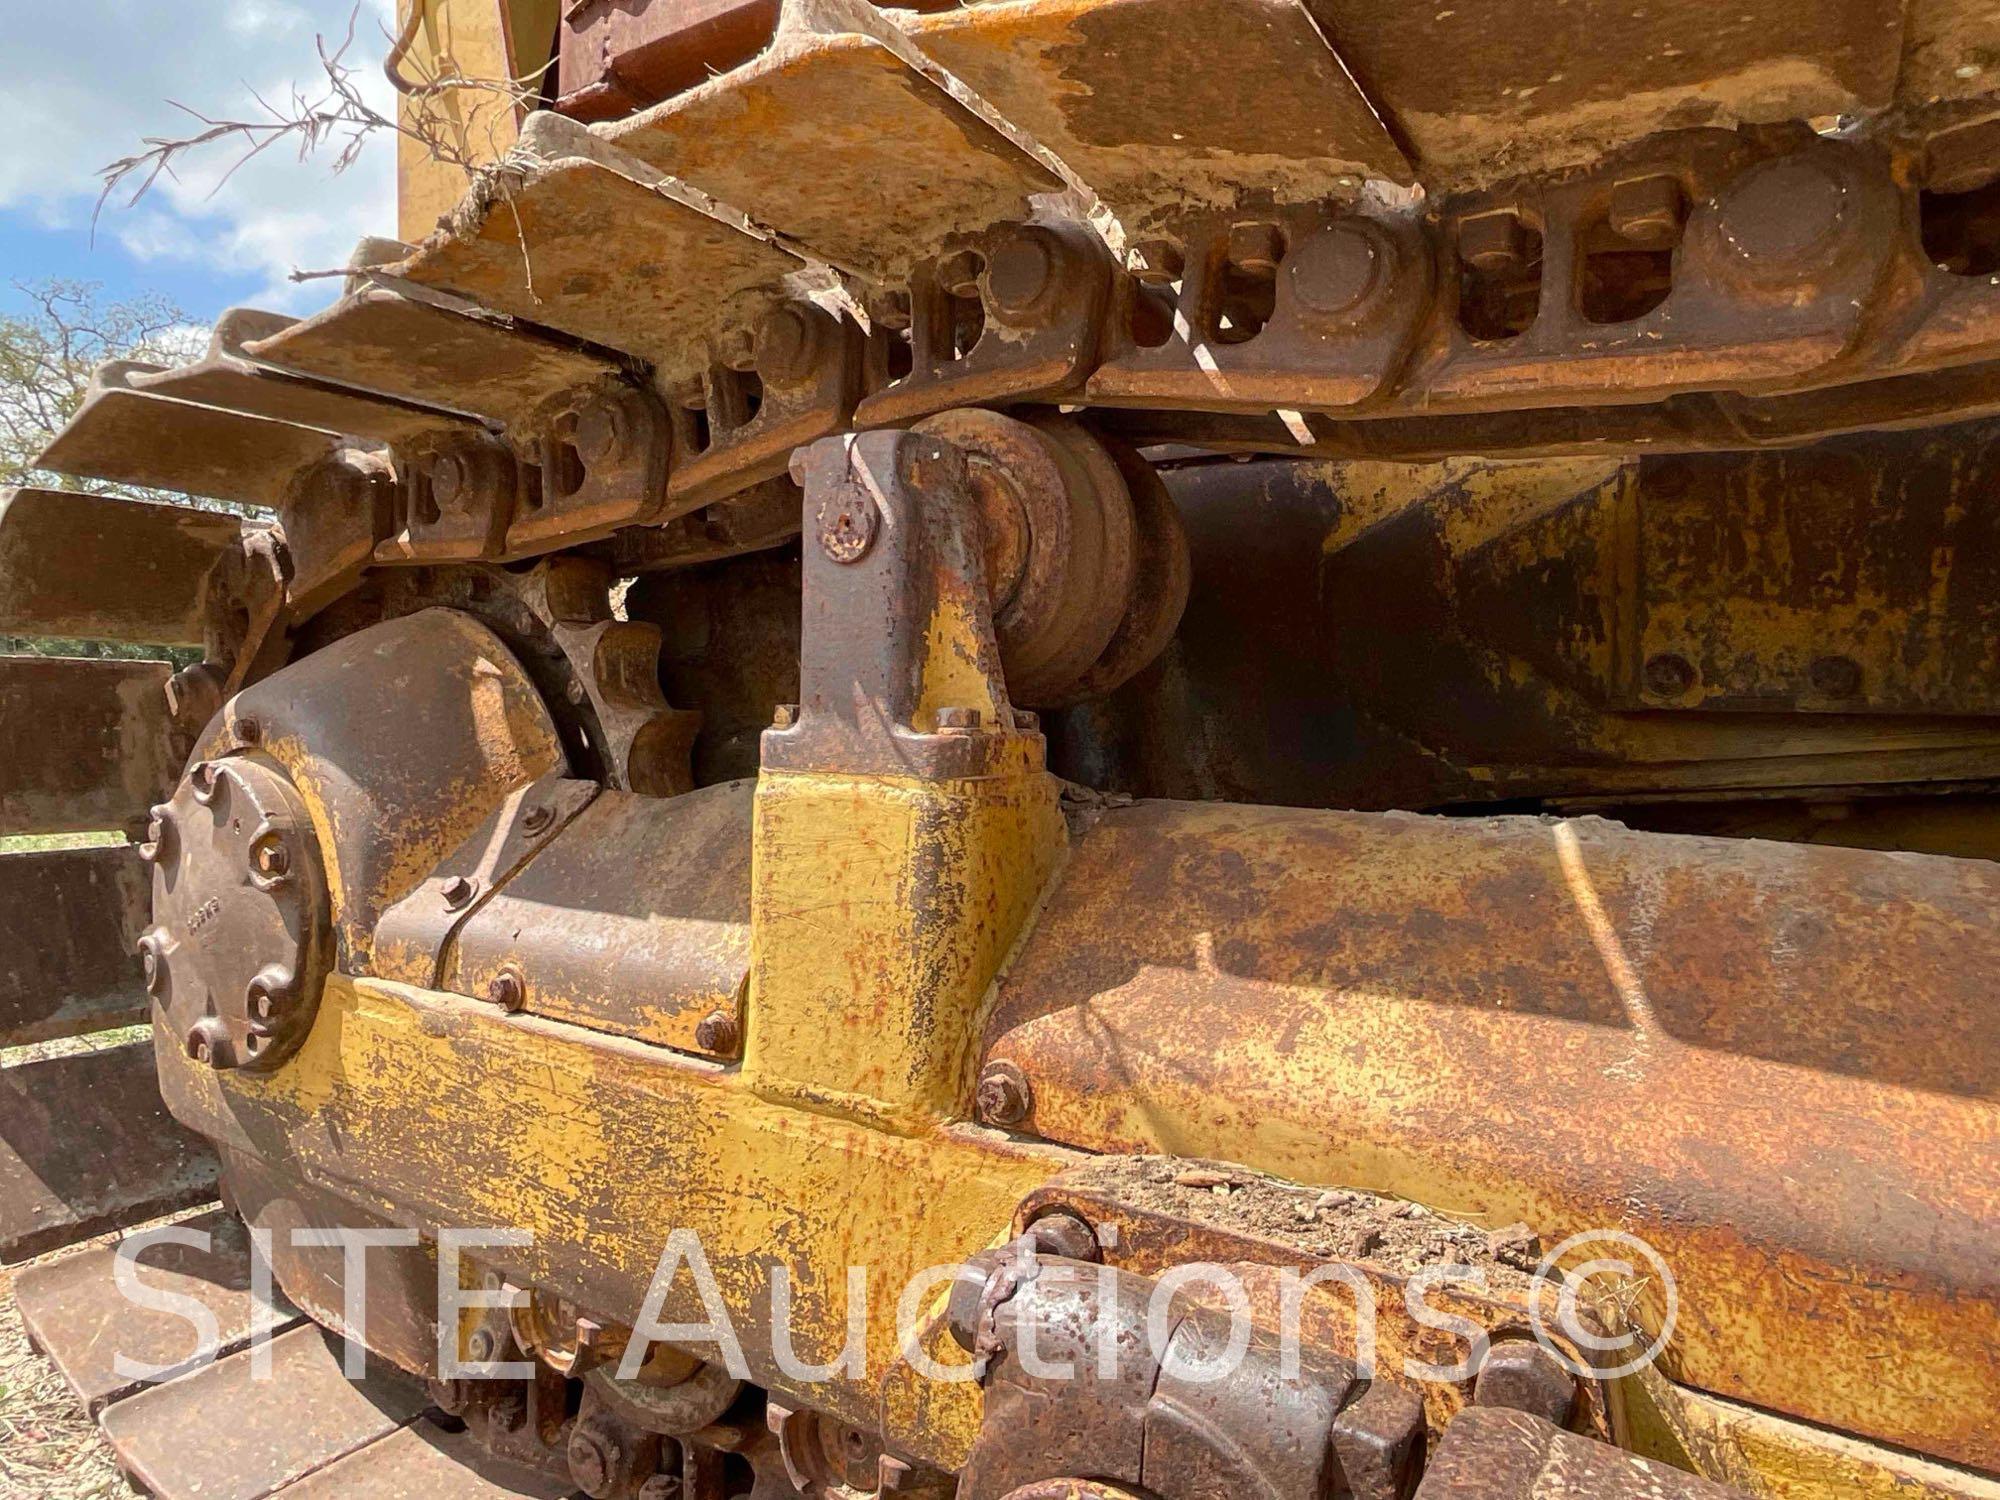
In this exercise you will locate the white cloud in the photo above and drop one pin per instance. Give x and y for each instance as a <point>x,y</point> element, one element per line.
<point>89,79</point>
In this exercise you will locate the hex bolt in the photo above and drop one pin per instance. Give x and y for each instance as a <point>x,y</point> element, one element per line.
<point>1494,243</point>
<point>960,719</point>
<point>1783,211</point>
<point>1004,1097</point>
<point>661,1487</point>
<point>480,1346</point>
<point>537,818</point>
<point>269,856</point>
<point>1256,248</point>
<point>1668,675</point>
<point>598,432</point>
<point>249,731</point>
<point>1065,1235</point>
<point>1155,262</point>
<point>1835,676</point>
<point>458,892</point>
<point>1021,270</point>
<point>508,989</point>
<point>890,310</point>
<point>1335,270</point>
<point>1647,210</point>
<point>153,959</point>
<point>717,1032</point>
<point>589,1463</point>
<point>1523,1376</point>
<point>508,1411</point>
<point>451,1397</point>
<point>958,272</point>
<point>785,716</point>
<point>784,344</point>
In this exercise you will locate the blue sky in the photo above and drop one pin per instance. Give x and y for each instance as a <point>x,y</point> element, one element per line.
<point>90,78</point>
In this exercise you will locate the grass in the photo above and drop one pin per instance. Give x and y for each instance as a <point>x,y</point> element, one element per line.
<point>32,843</point>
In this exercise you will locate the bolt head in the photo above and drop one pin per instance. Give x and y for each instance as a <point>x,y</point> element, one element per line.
<point>958,272</point>
<point>1668,675</point>
<point>480,1346</point>
<point>1337,270</point>
<point>508,990</point>
<point>1494,242</point>
<point>1784,211</point>
<point>249,731</point>
<point>591,1458</point>
<point>1835,676</point>
<point>1522,1375</point>
<point>598,433</point>
<point>1647,210</point>
<point>958,718</point>
<point>1256,248</point>
<point>1004,1097</point>
<point>785,716</point>
<point>1021,270</point>
<point>447,477</point>
<point>270,857</point>
<point>717,1032</point>
<point>458,892</point>
<point>848,521</point>
<point>785,344</point>
<point>537,818</point>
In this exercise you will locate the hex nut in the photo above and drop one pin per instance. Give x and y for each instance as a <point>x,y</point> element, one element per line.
<point>1256,248</point>
<point>1004,1097</point>
<point>717,1032</point>
<point>508,989</point>
<point>1493,243</point>
<point>1522,1375</point>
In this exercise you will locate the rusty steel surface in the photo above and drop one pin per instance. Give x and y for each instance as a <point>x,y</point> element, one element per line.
<point>1510,1455</point>
<point>239,942</point>
<point>1726,1067</point>
<point>533,246</point>
<point>127,436</point>
<point>374,340</point>
<point>1127,94</point>
<point>87,744</point>
<point>169,1440</point>
<point>105,568</point>
<point>78,1317</point>
<point>70,964</point>
<point>86,1146</point>
<point>1422,635</point>
<point>428,1461</point>
<point>601,931</point>
<point>401,740</point>
<point>832,110</point>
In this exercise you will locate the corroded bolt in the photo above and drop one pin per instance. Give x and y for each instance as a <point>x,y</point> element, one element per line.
<point>786,715</point>
<point>479,1348</point>
<point>890,309</point>
<point>1004,1097</point>
<point>1027,720</point>
<point>717,1032</point>
<point>1155,262</point>
<point>661,1487</point>
<point>270,856</point>
<point>1647,210</point>
<point>736,349</point>
<point>1668,675</point>
<point>848,519</point>
<point>1784,210</point>
<point>1835,676</point>
<point>249,731</point>
<point>1520,1374</point>
<point>1493,242</point>
<point>959,718</point>
<point>457,892</point>
<point>448,477</point>
<point>598,432</point>
<point>1335,271</point>
<point>958,272</point>
<point>1064,1234</point>
<point>537,818</point>
<point>601,1461</point>
<point>508,989</point>
<point>1256,248</point>
<point>153,960</point>
<point>508,1411</point>
<point>785,343</point>
<point>1021,270</point>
